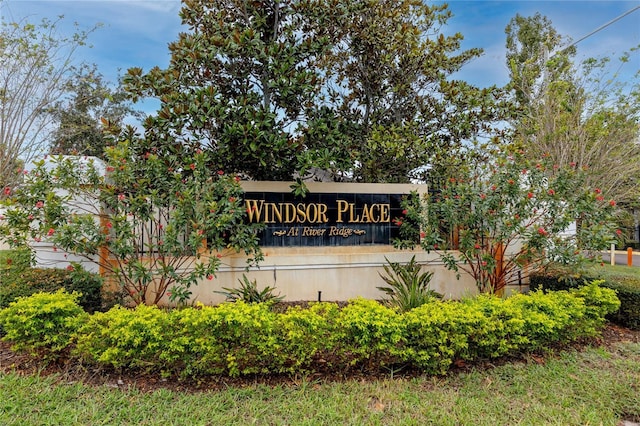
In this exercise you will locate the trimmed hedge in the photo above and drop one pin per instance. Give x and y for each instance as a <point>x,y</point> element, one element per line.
<point>627,289</point>
<point>43,324</point>
<point>26,282</point>
<point>240,339</point>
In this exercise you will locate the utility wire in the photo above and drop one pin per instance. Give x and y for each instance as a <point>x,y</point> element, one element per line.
<point>599,28</point>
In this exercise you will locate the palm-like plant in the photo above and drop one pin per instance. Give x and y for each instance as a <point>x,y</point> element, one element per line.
<point>408,286</point>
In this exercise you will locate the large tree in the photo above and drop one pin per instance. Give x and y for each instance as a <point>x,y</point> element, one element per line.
<point>35,65</point>
<point>580,115</point>
<point>392,82</point>
<point>80,116</point>
<point>240,82</point>
<point>361,89</point>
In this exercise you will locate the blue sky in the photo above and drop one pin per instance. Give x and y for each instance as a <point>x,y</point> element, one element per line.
<point>136,32</point>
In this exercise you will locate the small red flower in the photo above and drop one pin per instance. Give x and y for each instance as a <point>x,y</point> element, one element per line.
<point>232,199</point>
<point>542,231</point>
<point>209,277</point>
<point>405,211</point>
<point>483,263</point>
<point>618,231</point>
<point>7,190</point>
<point>612,203</point>
<point>200,232</point>
<point>192,166</point>
<point>121,197</point>
<point>39,204</point>
<point>600,198</point>
<point>529,194</point>
<point>483,196</point>
<point>597,190</point>
<point>109,225</point>
<point>435,247</point>
<point>220,172</point>
<point>51,231</point>
<point>552,192</point>
<point>511,181</point>
<point>219,256</point>
<point>572,164</point>
<point>69,267</point>
<point>493,187</point>
<point>422,235</point>
<point>237,178</point>
<point>110,169</point>
<point>477,246</point>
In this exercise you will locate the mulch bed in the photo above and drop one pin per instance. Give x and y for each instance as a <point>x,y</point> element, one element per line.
<point>71,372</point>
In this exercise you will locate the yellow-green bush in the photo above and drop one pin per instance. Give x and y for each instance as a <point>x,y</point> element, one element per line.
<point>44,323</point>
<point>232,338</point>
<point>370,333</point>
<point>309,336</point>
<point>124,337</point>
<point>239,339</point>
<point>498,330</point>
<point>436,333</point>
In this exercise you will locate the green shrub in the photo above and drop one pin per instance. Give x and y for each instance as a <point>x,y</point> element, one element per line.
<point>232,338</point>
<point>437,333</point>
<point>599,302</point>
<point>625,281</point>
<point>238,338</point>
<point>629,313</point>
<point>546,318</point>
<point>309,336</point>
<point>553,281</point>
<point>34,280</point>
<point>408,286</point>
<point>44,323</point>
<point>124,337</point>
<point>369,332</point>
<point>499,331</point>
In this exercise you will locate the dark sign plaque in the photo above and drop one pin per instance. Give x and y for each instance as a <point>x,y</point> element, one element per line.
<point>325,219</point>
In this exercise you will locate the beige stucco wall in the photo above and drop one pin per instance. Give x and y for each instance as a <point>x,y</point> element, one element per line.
<point>339,273</point>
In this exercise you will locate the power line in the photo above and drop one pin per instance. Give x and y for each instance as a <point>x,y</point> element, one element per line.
<point>599,28</point>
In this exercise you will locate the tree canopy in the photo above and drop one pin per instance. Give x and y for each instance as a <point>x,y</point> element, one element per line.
<point>36,64</point>
<point>579,114</point>
<point>274,89</point>
<point>80,116</point>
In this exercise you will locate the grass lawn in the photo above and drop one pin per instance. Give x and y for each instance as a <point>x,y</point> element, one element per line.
<point>596,386</point>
